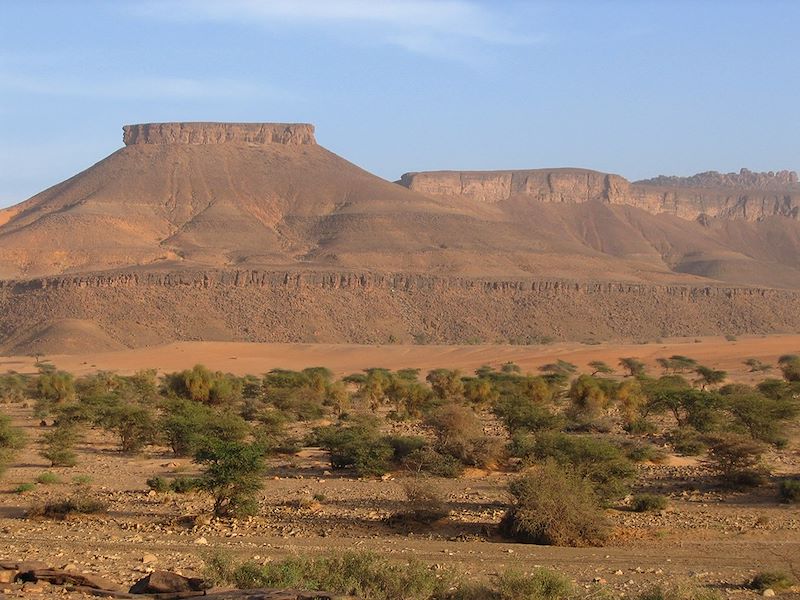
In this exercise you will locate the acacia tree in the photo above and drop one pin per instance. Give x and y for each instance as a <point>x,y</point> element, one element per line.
<point>708,376</point>
<point>633,366</point>
<point>600,367</point>
<point>233,474</point>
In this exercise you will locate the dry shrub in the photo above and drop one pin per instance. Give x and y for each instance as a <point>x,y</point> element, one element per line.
<point>459,433</point>
<point>65,508</point>
<point>554,506</point>
<point>424,502</point>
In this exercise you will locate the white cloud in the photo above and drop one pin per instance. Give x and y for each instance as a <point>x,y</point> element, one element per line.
<point>139,88</point>
<point>434,27</point>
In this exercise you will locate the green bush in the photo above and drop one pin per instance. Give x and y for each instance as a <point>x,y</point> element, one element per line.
<point>600,462</point>
<point>762,416</point>
<point>521,414</point>
<point>405,445</point>
<point>774,580</point>
<point>541,584</point>
<point>158,484</point>
<point>50,389</point>
<point>642,452</point>
<point>24,487</point>
<point>63,509</point>
<point>11,440</point>
<point>587,400</point>
<point>48,478</point>
<point>737,460</point>
<point>679,592</point>
<point>359,575</point>
<point>555,506</point>
<point>429,461</point>
<point>13,387</point>
<point>202,385</point>
<point>790,490</point>
<point>357,444</point>
<point>687,441</point>
<point>184,485</point>
<point>233,473</point>
<point>648,502</point>
<point>58,445</point>
<point>186,425</point>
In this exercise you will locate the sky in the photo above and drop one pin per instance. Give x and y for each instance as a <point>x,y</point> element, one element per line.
<point>637,87</point>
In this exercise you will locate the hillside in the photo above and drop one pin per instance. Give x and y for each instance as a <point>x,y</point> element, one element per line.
<point>255,232</point>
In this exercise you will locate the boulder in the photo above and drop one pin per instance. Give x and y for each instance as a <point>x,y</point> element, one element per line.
<point>164,582</point>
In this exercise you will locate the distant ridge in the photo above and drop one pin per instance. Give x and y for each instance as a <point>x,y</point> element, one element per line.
<point>253,231</point>
<point>767,180</point>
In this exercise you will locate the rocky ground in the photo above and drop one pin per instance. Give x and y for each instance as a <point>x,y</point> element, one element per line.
<point>709,536</point>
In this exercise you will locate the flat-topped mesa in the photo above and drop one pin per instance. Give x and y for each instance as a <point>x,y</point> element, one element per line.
<point>290,134</point>
<point>542,185</point>
<point>582,185</point>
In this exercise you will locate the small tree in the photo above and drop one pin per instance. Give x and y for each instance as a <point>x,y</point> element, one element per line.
<point>233,474</point>
<point>58,445</point>
<point>600,367</point>
<point>633,366</point>
<point>134,424</point>
<point>709,377</point>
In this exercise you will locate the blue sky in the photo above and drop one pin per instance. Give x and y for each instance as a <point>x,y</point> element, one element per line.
<point>634,87</point>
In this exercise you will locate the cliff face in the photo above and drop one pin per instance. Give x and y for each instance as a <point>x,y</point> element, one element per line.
<point>291,134</point>
<point>555,185</point>
<point>745,178</point>
<point>578,185</point>
<point>142,308</point>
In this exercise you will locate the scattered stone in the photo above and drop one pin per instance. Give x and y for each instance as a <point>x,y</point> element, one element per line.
<point>148,559</point>
<point>768,593</point>
<point>201,541</point>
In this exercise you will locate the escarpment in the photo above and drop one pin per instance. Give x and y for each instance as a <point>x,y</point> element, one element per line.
<point>756,197</point>
<point>253,231</point>
<point>219,133</point>
<point>137,309</point>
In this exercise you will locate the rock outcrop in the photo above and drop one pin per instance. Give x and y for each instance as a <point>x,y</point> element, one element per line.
<point>745,178</point>
<point>541,185</point>
<point>769,194</point>
<point>291,134</point>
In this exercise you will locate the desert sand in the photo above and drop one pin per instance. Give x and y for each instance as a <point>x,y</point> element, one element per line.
<point>250,358</point>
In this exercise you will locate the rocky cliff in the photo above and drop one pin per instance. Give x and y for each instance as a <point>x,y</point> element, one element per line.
<point>291,134</point>
<point>143,308</point>
<point>659,196</point>
<point>745,178</point>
